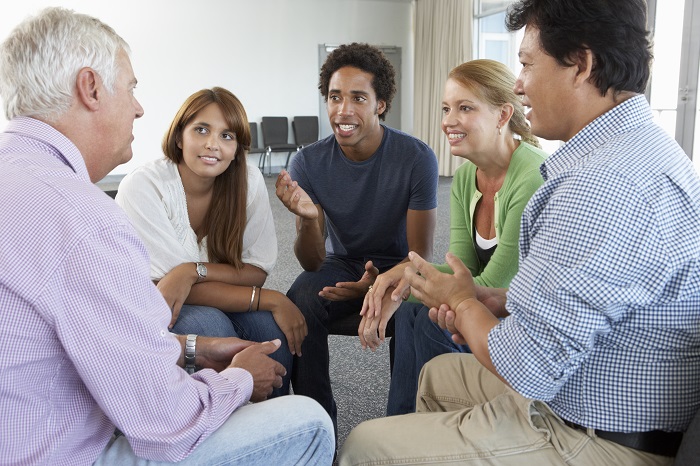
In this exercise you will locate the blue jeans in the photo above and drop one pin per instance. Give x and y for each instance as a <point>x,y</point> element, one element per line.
<point>254,326</point>
<point>286,430</point>
<point>310,374</point>
<point>417,340</point>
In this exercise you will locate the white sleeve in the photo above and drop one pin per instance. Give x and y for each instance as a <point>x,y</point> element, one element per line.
<point>259,238</point>
<point>149,202</point>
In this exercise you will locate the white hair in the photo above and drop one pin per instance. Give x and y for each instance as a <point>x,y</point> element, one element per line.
<point>40,60</point>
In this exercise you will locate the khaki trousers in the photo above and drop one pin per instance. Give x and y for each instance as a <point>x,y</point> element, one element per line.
<point>466,415</point>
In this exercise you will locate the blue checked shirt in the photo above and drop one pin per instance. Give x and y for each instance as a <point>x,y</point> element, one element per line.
<point>605,308</point>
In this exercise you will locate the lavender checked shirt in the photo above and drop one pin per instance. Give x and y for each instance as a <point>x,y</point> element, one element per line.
<point>85,345</point>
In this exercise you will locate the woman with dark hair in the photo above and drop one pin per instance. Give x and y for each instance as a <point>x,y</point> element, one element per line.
<point>205,218</point>
<point>485,123</point>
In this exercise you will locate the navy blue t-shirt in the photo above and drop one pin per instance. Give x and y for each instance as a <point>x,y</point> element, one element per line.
<point>365,203</point>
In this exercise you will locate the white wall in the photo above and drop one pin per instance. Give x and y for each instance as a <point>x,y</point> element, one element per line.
<point>264,51</point>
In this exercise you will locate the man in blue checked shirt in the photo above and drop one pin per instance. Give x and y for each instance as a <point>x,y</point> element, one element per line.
<point>597,358</point>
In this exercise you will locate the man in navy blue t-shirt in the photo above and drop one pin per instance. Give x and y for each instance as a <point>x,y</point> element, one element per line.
<point>363,197</point>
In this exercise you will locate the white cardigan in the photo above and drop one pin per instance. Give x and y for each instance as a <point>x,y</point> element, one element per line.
<point>154,199</point>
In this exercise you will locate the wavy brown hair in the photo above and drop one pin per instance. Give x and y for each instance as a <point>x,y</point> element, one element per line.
<point>494,82</point>
<point>225,220</point>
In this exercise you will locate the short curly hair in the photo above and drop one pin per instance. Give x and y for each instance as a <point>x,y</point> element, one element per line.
<point>368,59</point>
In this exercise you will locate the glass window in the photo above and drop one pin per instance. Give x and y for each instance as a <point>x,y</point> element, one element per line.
<point>666,65</point>
<point>493,23</point>
<point>493,41</point>
<point>485,6</point>
<point>696,139</point>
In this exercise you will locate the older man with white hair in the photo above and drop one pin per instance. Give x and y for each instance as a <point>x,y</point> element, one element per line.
<point>85,342</point>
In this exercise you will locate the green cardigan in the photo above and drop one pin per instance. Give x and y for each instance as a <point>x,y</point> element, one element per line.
<point>521,181</point>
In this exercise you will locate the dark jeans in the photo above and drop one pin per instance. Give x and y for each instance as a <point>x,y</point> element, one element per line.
<point>417,340</point>
<point>310,373</point>
<point>254,326</point>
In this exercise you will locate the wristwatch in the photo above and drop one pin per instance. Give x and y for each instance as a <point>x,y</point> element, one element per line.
<point>201,271</point>
<point>190,353</point>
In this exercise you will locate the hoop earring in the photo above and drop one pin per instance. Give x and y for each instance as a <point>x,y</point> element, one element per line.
<point>500,130</point>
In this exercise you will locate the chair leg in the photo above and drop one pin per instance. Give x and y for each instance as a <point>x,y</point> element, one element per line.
<point>268,156</point>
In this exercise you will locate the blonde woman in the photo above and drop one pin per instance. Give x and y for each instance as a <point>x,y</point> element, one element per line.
<point>484,122</point>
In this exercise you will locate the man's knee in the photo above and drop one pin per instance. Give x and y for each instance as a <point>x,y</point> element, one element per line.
<point>360,444</point>
<point>304,294</point>
<point>310,413</point>
<point>305,288</point>
<point>450,363</point>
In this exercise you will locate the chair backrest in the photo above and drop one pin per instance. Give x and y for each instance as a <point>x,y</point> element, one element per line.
<point>305,130</point>
<point>275,130</point>
<point>253,135</point>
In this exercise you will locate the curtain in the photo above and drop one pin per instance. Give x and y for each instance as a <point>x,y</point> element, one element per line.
<point>443,40</point>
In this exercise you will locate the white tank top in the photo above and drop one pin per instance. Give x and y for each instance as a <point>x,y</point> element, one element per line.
<point>485,244</point>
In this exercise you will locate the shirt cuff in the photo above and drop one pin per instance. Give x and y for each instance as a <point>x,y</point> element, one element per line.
<point>241,378</point>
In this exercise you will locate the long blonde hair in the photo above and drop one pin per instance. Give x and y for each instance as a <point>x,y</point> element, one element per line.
<point>494,83</point>
<point>225,220</point>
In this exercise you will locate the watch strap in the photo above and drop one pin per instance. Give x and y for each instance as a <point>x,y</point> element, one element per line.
<point>190,353</point>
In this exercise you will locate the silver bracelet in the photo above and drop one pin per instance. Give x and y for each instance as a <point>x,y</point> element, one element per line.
<point>252,298</point>
<point>190,353</point>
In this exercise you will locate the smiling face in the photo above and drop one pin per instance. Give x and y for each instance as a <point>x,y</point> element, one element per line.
<point>353,112</point>
<point>470,124</point>
<point>547,88</point>
<point>208,145</point>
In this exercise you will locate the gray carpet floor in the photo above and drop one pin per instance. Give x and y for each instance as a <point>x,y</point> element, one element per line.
<point>360,379</point>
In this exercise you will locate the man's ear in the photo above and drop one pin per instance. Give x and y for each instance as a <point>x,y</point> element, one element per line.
<point>88,83</point>
<point>583,61</point>
<point>381,107</point>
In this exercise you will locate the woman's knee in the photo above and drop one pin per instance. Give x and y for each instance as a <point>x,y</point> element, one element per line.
<point>204,320</point>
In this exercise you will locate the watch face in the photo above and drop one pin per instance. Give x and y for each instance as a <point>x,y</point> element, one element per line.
<point>201,270</point>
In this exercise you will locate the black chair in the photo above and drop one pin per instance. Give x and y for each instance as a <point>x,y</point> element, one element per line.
<point>275,133</point>
<point>254,147</point>
<point>305,130</point>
